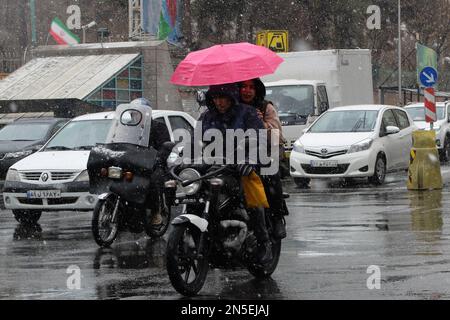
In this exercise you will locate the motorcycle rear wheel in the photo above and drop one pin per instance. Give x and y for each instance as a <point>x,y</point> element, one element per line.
<point>262,271</point>
<point>182,258</point>
<point>103,230</point>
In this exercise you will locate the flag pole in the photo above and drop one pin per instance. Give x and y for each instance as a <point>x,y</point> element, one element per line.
<point>33,22</point>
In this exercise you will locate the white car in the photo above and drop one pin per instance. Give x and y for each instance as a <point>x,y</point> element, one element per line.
<point>441,126</point>
<point>354,142</point>
<point>55,178</point>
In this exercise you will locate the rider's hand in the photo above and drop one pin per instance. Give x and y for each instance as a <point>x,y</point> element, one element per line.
<point>244,169</point>
<point>260,115</point>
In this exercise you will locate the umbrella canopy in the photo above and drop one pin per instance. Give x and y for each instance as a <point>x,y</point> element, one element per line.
<point>225,63</point>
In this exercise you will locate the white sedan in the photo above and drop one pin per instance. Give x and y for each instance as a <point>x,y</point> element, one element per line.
<point>354,142</point>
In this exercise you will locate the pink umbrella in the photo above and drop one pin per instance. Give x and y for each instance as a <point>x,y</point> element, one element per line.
<point>225,63</point>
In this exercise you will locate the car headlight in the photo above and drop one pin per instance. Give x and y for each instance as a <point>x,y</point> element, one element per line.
<point>437,129</point>
<point>190,174</point>
<point>19,154</point>
<point>361,146</point>
<point>298,147</point>
<point>83,177</point>
<point>12,175</point>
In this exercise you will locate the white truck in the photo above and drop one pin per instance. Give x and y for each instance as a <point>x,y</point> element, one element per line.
<point>308,83</point>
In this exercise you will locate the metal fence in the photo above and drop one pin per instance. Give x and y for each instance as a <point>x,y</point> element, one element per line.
<point>9,61</point>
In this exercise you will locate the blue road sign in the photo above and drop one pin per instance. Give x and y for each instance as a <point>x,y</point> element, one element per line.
<point>428,77</point>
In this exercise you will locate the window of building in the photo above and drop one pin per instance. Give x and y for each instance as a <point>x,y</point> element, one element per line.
<point>126,86</point>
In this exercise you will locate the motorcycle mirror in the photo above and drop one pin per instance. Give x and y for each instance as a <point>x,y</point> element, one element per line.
<point>200,96</point>
<point>131,118</point>
<point>168,145</point>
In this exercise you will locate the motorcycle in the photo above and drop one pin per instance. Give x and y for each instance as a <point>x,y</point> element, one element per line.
<point>213,229</point>
<point>125,172</point>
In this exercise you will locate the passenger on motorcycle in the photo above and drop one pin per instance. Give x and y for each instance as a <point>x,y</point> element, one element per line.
<point>225,112</point>
<point>253,93</point>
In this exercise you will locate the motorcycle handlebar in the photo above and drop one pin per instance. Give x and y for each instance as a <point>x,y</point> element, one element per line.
<point>185,183</point>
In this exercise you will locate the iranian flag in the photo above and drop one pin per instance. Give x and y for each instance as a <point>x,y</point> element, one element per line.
<point>62,34</point>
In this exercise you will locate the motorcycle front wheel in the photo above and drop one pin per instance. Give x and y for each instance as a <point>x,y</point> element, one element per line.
<point>187,270</point>
<point>261,271</point>
<point>103,228</point>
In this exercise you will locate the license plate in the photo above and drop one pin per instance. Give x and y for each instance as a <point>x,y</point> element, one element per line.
<point>324,164</point>
<point>44,194</point>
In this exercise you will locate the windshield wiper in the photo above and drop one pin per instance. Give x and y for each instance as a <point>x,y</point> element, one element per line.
<point>358,124</point>
<point>59,148</point>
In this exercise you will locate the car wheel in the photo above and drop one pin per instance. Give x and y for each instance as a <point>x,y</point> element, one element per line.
<point>444,153</point>
<point>380,171</point>
<point>27,216</point>
<point>302,183</point>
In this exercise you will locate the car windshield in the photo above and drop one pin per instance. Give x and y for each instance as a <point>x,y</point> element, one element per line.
<point>346,121</point>
<point>80,135</point>
<point>24,131</point>
<point>292,99</point>
<point>418,113</point>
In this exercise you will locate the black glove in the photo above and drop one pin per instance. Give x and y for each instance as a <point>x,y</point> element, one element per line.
<point>244,169</point>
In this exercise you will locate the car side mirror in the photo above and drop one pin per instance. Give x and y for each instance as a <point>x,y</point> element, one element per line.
<point>392,130</point>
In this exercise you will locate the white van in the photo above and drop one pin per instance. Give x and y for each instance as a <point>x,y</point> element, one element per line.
<point>55,178</point>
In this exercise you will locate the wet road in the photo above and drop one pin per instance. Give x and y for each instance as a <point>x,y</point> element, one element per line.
<point>335,233</point>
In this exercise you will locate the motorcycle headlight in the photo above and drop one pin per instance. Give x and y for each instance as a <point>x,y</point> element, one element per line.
<point>115,173</point>
<point>12,175</point>
<point>190,174</point>
<point>361,146</point>
<point>83,177</point>
<point>19,154</point>
<point>298,147</point>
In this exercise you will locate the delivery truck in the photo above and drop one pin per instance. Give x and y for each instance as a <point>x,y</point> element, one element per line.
<point>308,83</point>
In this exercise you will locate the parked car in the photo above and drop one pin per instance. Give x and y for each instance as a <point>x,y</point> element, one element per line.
<point>354,142</point>
<point>24,137</point>
<point>55,178</point>
<point>441,126</point>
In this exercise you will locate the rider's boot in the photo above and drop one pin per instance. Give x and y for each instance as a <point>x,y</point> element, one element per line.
<point>279,227</point>
<point>156,219</point>
<point>262,236</point>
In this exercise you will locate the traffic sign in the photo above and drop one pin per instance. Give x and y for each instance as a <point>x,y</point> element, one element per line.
<point>261,39</point>
<point>430,105</point>
<point>428,77</point>
<point>275,40</point>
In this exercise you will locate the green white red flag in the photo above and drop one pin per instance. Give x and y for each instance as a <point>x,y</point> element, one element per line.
<point>62,34</point>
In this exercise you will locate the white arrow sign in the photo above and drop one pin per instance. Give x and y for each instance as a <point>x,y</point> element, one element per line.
<point>430,77</point>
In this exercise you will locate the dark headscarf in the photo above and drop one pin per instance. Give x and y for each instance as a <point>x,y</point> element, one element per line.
<point>230,90</point>
<point>260,95</point>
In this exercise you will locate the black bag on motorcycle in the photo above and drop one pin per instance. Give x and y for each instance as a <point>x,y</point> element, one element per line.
<point>138,160</point>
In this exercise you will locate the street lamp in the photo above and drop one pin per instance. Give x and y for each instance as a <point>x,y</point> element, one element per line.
<point>85,27</point>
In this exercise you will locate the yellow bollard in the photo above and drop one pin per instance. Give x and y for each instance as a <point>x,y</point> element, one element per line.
<point>424,167</point>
